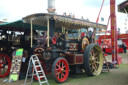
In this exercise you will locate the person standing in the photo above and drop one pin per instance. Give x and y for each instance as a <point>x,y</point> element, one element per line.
<point>124,47</point>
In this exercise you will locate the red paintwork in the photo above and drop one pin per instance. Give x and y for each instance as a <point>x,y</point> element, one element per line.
<point>82,34</point>
<point>61,70</point>
<point>78,59</point>
<point>123,37</point>
<point>113,30</point>
<point>54,40</point>
<point>70,59</point>
<point>74,59</point>
<point>107,45</point>
<point>109,50</point>
<point>73,46</point>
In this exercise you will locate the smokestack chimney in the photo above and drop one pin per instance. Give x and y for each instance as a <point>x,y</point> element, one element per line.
<point>51,6</point>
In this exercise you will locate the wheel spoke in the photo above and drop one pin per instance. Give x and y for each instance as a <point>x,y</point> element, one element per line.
<point>92,52</point>
<point>57,73</point>
<point>1,60</point>
<point>62,75</point>
<point>4,70</point>
<point>62,64</point>
<point>63,67</point>
<point>64,71</point>
<point>58,64</point>
<point>94,68</point>
<point>95,54</point>
<point>90,58</point>
<point>97,62</point>
<point>58,76</point>
<point>57,70</point>
<point>90,62</point>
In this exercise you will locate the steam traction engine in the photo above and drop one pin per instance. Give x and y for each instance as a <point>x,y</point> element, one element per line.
<point>64,48</point>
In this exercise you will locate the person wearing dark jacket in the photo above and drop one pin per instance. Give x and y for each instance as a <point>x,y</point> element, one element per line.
<point>124,47</point>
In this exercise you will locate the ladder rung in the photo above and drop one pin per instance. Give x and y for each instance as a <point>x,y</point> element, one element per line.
<point>27,83</point>
<point>31,74</point>
<point>41,76</point>
<point>39,71</point>
<point>38,66</point>
<point>36,60</point>
<point>44,82</point>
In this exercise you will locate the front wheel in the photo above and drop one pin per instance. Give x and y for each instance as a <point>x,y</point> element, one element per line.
<point>60,70</point>
<point>93,60</point>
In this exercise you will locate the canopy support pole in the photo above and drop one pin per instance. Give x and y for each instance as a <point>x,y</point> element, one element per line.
<point>31,43</point>
<point>62,29</point>
<point>48,33</point>
<point>78,34</point>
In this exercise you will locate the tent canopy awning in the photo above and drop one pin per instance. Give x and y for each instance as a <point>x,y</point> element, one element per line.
<point>68,22</point>
<point>19,26</point>
<point>123,6</point>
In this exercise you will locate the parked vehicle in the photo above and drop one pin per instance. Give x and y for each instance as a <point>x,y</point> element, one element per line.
<point>65,48</point>
<point>12,38</point>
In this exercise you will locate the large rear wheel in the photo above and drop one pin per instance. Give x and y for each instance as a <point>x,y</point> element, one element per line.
<point>93,60</point>
<point>5,65</point>
<point>60,70</point>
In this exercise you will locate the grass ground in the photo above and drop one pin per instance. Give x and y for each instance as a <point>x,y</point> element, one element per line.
<point>115,77</point>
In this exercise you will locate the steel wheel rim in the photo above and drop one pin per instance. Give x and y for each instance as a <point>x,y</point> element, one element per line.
<point>5,65</point>
<point>96,60</point>
<point>61,70</point>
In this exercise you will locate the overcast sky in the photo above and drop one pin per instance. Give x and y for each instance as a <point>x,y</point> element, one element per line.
<point>13,10</point>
